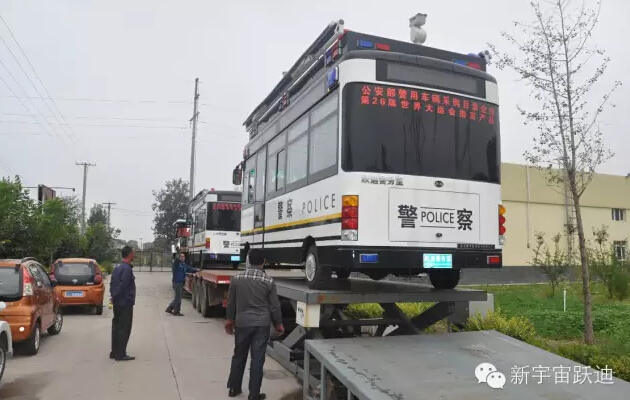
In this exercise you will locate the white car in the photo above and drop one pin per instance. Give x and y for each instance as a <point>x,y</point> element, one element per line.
<point>6,347</point>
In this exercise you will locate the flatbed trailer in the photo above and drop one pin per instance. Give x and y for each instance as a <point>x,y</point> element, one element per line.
<point>209,288</point>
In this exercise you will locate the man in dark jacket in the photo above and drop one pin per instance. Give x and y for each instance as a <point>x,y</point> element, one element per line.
<point>123,293</point>
<point>252,307</point>
<point>180,269</point>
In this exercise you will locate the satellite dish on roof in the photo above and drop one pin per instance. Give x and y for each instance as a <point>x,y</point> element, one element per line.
<point>416,31</point>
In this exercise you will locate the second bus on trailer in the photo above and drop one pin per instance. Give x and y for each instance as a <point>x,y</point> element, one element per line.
<point>378,156</point>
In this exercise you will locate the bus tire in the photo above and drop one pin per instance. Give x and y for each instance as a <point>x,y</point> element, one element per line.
<point>204,302</point>
<point>444,279</point>
<point>317,275</point>
<point>235,265</point>
<point>377,275</point>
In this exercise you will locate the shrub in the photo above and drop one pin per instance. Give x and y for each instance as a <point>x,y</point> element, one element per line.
<point>607,267</point>
<point>517,327</point>
<point>555,265</point>
<point>107,266</point>
<point>597,358</point>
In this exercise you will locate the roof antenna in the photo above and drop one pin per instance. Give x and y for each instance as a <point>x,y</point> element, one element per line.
<point>417,33</point>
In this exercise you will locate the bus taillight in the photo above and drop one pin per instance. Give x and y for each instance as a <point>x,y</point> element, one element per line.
<point>501,223</point>
<point>350,218</point>
<point>207,243</point>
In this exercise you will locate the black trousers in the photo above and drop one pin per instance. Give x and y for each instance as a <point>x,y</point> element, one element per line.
<point>249,340</point>
<point>121,329</point>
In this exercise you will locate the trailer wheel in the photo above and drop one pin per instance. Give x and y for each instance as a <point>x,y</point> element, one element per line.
<point>317,275</point>
<point>193,286</point>
<point>204,302</point>
<point>444,279</point>
<point>200,287</point>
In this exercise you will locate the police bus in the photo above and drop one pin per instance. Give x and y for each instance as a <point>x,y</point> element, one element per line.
<point>215,237</point>
<point>377,156</point>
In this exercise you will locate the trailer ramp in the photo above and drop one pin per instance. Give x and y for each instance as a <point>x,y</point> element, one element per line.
<point>443,366</point>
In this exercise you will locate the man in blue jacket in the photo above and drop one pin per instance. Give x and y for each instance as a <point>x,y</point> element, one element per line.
<point>180,269</point>
<point>123,293</point>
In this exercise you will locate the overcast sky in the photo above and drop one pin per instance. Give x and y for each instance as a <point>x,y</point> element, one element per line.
<point>122,75</point>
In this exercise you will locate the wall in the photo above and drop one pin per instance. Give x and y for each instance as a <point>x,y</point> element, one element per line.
<point>547,212</point>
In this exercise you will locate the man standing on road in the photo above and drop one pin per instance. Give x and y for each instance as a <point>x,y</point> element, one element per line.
<point>252,307</point>
<point>180,269</point>
<point>123,293</point>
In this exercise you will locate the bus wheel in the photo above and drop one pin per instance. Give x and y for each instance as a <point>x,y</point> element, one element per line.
<point>317,275</point>
<point>235,265</point>
<point>444,279</point>
<point>343,273</point>
<point>193,286</point>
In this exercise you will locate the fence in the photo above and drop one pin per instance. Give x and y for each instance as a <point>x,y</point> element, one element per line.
<point>147,260</point>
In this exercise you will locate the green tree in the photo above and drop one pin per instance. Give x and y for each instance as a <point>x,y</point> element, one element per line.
<point>171,204</point>
<point>98,214</point>
<point>17,220</point>
<point>553,57</point>
<point>554,265</point>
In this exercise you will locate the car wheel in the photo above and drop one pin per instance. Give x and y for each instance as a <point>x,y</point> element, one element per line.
<point>31,346</point>
<point>56,327</point>
<point>317,275</point>
<point>4,347</point>
<point>99,310</point>
<point>444,279</point>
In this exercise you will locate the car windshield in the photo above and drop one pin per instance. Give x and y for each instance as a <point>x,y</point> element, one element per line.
<point>9,284</point>
<point>75,269</point>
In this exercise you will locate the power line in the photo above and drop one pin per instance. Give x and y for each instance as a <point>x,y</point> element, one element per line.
<point>98,118</point>
<point>109,125</point>
<point>25,74</point>
<point>5,166</point>
<point>24,91</point>
<point>102,100</point>
<point>24,105</point>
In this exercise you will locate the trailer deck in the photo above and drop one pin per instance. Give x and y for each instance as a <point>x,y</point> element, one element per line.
<point>442,366</point>
<point>321,314</point>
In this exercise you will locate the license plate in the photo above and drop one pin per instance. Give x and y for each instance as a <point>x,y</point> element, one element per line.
<point>73,294</point>
<point>436,261</point>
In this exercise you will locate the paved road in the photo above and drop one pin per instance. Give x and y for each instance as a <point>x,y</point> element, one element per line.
<point>178,358</point>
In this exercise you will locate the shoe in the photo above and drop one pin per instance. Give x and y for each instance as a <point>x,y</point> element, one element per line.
<point>111,355</point>
<point>261,396</point>
<point>125,358</point>
<point>178,314</point>
<point>169,310</point>
<point>234,392</point>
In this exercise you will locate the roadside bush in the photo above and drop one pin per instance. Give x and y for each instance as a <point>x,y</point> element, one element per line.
<point>555,265</point>
<point>607,267</point>
<point>374,310</point>
<point>517,327</point>
<point>107,266</point>
<point>597,358</point>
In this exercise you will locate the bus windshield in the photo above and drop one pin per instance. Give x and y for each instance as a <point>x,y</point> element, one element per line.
<point>224,217</point>
<point>399,130</point>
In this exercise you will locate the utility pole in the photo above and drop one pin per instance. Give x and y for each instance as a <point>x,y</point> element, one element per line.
<point>109,212</point>
<point>194,136</point>
<point>85,171</point>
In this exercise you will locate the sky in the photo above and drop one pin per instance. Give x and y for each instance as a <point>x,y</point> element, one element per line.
<point>112,83</point>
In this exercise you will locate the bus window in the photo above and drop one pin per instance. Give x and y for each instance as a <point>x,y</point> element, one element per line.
<point>260,175</point>
<point>323,149</point>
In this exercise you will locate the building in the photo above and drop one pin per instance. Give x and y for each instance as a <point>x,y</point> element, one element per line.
<point>533,206</point>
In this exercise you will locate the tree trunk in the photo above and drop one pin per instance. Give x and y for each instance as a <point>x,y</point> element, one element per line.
<point>589,336</point>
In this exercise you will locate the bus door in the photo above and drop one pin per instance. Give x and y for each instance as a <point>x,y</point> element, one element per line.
<point>259,197</point>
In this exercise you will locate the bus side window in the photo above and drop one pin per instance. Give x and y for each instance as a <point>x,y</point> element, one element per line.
<point>251,184</point>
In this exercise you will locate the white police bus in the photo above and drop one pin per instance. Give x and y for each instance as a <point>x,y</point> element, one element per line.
<point>377,156</point>
<point>215,237</point>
